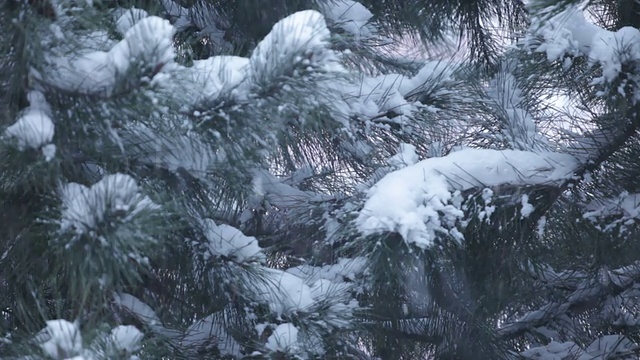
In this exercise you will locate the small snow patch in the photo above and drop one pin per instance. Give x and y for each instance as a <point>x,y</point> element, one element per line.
<point>32,130</point>
<point>64,340</point>
<point>85,208</point>
<point>126,338</point>
<point>284,338</point>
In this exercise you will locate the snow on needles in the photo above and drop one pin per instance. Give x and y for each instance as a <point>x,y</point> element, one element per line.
<point>569,34</point>
<point>285,293</point>
<point>284,338</point>
<point>64,340</point>
<point>146,44</point>
<point>126,338</point>
<point>218,74</point>
<point>303,38</point>
<point>34,128</point>
<point>350,15</point>
<point>84,209</point>
<point>422,200</point>
<point>225,240</point>
<point>128,19</point>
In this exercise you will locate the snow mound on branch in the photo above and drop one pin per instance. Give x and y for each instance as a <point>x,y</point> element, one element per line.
<point>284,338</point>
<point>32,130</point>
<point>225,240</point>
<point>430,72</point>
<point>350,15</point>
<point>422,200</point>
<point>218,74</point>
<point>148,44</point>
<point>284,292</point>
<point>115,195</point>
<point>300,38</point>
<point>126,338</point>
<point>63,339</point>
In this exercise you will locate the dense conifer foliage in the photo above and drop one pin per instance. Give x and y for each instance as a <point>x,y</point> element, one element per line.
<point>328,179</point>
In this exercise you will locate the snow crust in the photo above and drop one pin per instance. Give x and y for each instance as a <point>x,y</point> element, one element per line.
<point>85,208</point>
<point>225,240</point>
<point>422,200</point>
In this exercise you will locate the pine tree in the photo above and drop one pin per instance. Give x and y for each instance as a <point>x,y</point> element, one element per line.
<point>287,179</point>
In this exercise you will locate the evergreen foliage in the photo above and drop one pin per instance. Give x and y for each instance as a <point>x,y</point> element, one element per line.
<point>329,179</point>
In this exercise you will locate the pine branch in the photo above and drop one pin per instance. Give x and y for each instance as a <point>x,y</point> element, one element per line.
<point>586,297</point>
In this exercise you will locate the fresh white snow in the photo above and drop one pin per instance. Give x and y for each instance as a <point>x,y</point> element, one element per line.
<point>569,34</point>
<point>149,43</point>
<point>218,74</point>
<point>349,15</point>
<point>64,339</point>
<point>225,240</point>
<point>126,338</point>
<point>84,208</point>
<point>527,208</point>
<point>32,130</point>
<point>129,18</point>
<point>621,209</point>
<point>303,38</point>
<point>285,293</point>
<point>406,156</point>
<point>419,201</point>
<point>284,338</point>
